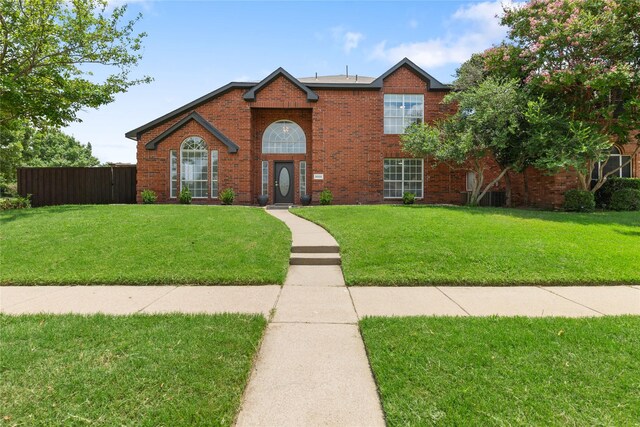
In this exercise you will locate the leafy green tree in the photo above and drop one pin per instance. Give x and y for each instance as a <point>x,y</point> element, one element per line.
<point>583,58</point>
<point>489,124</point>
<point>29,147</point>
<point>51,54</point>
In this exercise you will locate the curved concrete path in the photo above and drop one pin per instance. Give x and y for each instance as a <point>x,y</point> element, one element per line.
<point>312,368</point>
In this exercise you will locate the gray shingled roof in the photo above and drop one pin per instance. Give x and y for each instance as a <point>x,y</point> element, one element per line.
<point>338,79</point>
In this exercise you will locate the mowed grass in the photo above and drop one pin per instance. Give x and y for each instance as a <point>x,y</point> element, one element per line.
<point>431,245</point>
<point>506,371</point>
<point>142,244</point>
<point>165,370</point>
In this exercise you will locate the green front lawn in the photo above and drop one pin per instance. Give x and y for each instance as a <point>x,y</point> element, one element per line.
<point>413,245</point>
<point>506,371</point>
<point>168,370</point>
<point>142,244</point>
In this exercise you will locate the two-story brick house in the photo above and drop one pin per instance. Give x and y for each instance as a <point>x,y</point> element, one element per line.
<point>285,137</point>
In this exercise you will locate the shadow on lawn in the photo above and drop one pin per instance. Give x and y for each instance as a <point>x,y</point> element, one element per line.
<point>629,219</point>
<point>16,214</point>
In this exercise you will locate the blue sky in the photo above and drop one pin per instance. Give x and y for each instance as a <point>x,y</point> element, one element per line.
<point>194,47</point>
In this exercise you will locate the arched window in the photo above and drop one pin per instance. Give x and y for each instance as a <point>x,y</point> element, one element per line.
<point>284,136</point>
<point>193,166</point>
<point>615,160</point>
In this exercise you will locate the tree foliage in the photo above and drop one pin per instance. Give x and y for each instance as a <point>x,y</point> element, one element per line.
<point>29,147</point>
<point>489,124</point>
<point>583,58</point>
<point>58,56</point>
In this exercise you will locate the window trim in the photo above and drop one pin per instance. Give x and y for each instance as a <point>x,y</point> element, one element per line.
<point>403,117</point>
<point>403,180</point>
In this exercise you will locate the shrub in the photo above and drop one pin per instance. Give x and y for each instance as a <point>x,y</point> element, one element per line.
<point>611,185</point>
<point>149,197</point>
<point>326,197</point>
<point>15,203</point>
<point>626,199</point>
<point>185,196</point>
<point>579,201</point>
<point>408,198</point>
<point>227,196</point>
<point>8,189</point>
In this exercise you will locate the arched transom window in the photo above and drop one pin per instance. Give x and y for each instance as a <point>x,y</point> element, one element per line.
<point>282,137</point>
<point>194,166</point>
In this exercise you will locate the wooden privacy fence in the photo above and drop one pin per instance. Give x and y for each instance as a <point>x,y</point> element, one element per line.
<point>76,186</point>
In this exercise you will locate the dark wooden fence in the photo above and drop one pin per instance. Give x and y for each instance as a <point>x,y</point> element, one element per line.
<point>76,186</point>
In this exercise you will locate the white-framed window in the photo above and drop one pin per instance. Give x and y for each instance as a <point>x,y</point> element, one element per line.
<point>615,160</point>
<point>194,173</point>
<point>303,178</point>
<point>401,111</point>
<point>214,174</point>
<point>173,174</point>
<point>402,176</point>
<point>265,178</point>
<point>471,180</point>
<point>284,137</point>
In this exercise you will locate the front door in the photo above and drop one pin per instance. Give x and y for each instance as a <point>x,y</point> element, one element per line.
<point>283,182</point>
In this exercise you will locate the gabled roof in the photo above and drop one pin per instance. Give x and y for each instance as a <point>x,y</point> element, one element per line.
<point>133,134</point>
<point>434,84</point>
<point>231,146</point>
<point>251,93</point>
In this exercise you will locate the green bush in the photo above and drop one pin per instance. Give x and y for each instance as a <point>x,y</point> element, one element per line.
<point>227,196</point>
<point>8,189</point>
<point>611,185</point>
<point>326,197</point>
<point>185,196</point>
<point>408,198</point>
<point>15,203</point>
<point>626,199</point>
<point>149,197</point>
<point>579,201</point>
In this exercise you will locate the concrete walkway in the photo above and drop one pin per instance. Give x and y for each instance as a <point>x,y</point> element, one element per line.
<point>312,368</point>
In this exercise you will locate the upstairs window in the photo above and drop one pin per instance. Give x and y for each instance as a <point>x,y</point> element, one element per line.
<point>284,137</point>
<point>401,111</point>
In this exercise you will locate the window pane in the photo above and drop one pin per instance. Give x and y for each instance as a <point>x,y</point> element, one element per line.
<point>283,137</point>
<point>401,111</point>
<point>265,177</point>
<point>194,166</point>
<point>173,167</point>
<point>303,178</point>
<point>214,173</point>
<point>402,175</point>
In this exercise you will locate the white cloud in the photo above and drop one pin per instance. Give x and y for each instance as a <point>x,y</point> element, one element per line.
<point>349,40</point>
<point>483,29</point>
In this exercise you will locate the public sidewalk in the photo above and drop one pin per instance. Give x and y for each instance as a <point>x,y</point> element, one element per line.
<point>570,301</point>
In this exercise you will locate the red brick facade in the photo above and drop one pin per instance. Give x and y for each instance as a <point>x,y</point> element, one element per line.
<point>345,142</point>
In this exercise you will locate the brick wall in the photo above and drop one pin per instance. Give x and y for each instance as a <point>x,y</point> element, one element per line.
<point>345,142</point>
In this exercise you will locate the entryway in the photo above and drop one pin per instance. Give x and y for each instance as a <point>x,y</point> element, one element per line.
<point>283,182</point>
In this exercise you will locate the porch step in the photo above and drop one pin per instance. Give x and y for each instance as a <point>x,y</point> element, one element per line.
<point>315,249</point>
<point>315,259</point>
